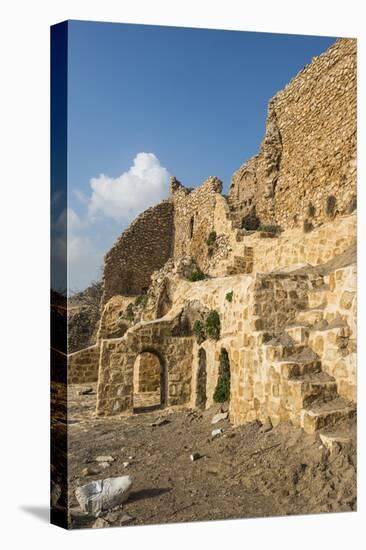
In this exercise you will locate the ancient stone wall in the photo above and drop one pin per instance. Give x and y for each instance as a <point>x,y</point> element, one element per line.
<point>305,171</point>
<point>113,322</point>
<point>335,343</point>
<point>117,362</point>
<point>83,365</point>
<point>290,248</point>
<point>82,326</point>
<point>194,218</point>
<point>142,248</point>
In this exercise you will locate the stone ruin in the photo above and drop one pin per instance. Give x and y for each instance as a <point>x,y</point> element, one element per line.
<point>275,261</point>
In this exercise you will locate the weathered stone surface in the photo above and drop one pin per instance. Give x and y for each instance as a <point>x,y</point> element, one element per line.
<point>127,271</point>
<point>299,174</point>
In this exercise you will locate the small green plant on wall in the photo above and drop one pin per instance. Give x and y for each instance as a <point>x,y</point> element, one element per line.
<point>211,240</point>
<point>196,275</point>
<point>130,313</point>
<point>222,390</point>
<point>229,296</point>
<point>141,300</point>
<point>199,331</point>
<point>212,325</point>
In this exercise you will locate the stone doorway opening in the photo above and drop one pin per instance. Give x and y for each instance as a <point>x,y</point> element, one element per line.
<point>148,382</point>
<point>201,396</point>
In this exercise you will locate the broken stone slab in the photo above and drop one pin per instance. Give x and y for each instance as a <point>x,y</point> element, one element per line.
<point>217,432</point>
<point>104,494</point>
<point>219,416</point>
<point>105,459</point>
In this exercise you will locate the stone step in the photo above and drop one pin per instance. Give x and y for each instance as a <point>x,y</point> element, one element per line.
<point>327,414</point>
<point>318,296</point>
<point>310,317</point>
<point>299,333</point>
<point>339,437</point>
<point>303,390</point>
<point>293,369</point>
<point>278,352</point>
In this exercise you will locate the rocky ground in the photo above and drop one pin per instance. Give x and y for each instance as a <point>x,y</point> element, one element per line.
<point>249,471</point>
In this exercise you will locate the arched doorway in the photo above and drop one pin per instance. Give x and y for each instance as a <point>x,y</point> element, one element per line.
<point>201,380</point>
<point>148,382</point>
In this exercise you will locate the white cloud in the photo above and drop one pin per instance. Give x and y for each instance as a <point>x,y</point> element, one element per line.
<point>146,183</point>
<point>113,203</point>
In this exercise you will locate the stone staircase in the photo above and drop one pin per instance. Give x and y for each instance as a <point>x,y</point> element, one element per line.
<point>308,394</point>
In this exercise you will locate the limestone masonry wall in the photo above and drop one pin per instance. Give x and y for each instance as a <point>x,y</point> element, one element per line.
<point>336,343</point>
<point>306,168</point>
<point>83,365</point>
<point>194,218</point>
<point>141,249</point>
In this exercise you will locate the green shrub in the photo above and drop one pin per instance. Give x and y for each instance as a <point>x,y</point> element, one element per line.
<point>199,331</point>
<point>212,325</point>
<point>270,228</point>
<point>196,275</point>
<point>211,239</point>
<point>222,390</point>
<point>141,300</point>
<point>229,296</point>
<point>130,313</point>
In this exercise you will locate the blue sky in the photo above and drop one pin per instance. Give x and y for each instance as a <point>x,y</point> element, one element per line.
<point>194,99</point>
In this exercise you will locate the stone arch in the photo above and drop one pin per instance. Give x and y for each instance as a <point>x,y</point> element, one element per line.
<point>149,379</point>
<point>201,380</point>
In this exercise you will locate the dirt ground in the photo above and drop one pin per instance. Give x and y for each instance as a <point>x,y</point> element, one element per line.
<point>244,472</point>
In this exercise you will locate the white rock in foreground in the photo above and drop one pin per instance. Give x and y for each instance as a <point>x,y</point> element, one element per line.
<point>217,432</point>
<point>101,495</point>
<point>218,417</point>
